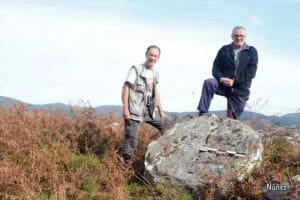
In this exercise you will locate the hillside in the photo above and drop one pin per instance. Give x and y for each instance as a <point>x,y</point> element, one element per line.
<point>6,102</point>
<point>51,155</point>
<point>292,119</point>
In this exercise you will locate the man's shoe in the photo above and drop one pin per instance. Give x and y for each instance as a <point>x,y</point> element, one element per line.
<point>201,113</point>
<point>125,162</point>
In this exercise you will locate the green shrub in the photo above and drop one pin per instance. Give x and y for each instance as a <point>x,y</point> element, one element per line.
<point>88,162</point>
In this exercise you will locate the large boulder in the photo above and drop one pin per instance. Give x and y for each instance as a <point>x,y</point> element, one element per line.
<point>203,151</point>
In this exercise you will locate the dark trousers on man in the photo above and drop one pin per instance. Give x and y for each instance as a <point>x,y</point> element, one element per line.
<point>132,130</point>
<point>235,104</point>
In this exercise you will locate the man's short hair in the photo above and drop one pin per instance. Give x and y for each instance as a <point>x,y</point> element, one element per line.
<point>152,46</point>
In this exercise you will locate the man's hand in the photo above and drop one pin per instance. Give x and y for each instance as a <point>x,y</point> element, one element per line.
<point>162,115</point>
<point>227,82</point>
<point>126,113</point>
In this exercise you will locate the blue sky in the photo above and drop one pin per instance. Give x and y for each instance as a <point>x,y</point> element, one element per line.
<point>67,51</point>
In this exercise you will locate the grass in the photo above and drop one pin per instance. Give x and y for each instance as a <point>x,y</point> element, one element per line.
<point>88,163</point>
<point>53,155</point>
<point>158,191</point>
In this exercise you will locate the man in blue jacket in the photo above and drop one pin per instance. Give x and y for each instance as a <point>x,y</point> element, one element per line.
<point>233,70</point>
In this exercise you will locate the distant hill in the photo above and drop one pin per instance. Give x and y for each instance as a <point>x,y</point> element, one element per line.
<point>6,102</point>
<point>284,120</point>
<point>107,109</point>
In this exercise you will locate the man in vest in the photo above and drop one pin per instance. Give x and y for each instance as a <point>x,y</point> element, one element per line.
<point>140,97</point>
<point>233,70</point>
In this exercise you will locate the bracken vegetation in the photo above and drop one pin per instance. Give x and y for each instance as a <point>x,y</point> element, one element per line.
<point>56,155</point>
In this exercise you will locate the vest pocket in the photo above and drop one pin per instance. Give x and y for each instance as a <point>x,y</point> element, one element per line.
<point>136,103</point>
<point>140,88</point>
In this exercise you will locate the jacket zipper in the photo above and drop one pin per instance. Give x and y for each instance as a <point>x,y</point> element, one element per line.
<point>236,68</point>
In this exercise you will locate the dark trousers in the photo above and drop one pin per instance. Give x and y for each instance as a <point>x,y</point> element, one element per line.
<point>132,130</point>
<point>235,104</point>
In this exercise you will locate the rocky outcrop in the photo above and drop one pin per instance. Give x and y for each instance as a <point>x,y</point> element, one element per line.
<point>202,151</point>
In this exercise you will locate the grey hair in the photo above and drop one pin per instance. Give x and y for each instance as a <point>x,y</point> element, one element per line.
<point>237,28</point>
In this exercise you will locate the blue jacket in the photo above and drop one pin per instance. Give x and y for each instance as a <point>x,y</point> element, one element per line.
<point>224,66</point>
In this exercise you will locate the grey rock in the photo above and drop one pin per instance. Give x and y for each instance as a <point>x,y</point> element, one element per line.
<point>176,159</point>
<point>296,180</point>
<point>296,186</point>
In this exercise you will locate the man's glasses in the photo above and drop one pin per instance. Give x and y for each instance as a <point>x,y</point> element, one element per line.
<point>237,36</point>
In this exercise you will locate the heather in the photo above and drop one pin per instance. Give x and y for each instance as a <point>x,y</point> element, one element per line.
<point>74,155</point>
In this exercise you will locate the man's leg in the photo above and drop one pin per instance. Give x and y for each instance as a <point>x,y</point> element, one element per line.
<point>131,138</point>
<point>236,106</point>
<point>210,87</point>
<point>160,125</point>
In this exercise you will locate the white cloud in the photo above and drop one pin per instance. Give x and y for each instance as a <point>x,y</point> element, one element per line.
<point>52,56</point>
<point>62,58</point>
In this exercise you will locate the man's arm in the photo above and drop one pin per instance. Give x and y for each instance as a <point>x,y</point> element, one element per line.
<point>159,106</point>
<point>216,71</point>
<point>130,80</point>
<point>125,97</point>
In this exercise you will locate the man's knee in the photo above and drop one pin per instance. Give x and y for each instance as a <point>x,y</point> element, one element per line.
<point>210,82</point>
<point>131,128</point>
<point>131,139</point>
